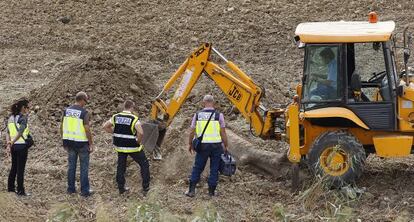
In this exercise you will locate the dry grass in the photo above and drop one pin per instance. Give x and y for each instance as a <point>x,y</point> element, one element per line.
<point>104,214</point>
<point>281,214</point>
<point>207,213</point>
<point>151,209</point>
<point>328,204</point>
<point>62,213</point>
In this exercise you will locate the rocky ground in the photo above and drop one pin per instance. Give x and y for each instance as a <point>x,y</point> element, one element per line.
<point>120,49</point>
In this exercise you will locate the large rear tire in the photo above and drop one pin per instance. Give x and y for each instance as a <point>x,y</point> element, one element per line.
<point>338,157</point>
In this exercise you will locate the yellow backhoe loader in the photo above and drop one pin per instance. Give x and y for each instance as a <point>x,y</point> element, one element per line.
<point>351,102</point>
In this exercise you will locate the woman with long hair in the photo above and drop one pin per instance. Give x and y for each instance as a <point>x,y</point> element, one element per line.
<point>17,134</point>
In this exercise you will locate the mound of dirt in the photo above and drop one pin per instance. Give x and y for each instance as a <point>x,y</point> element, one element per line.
<point>107,82</point>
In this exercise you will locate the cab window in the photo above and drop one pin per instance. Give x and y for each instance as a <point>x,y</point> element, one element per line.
<point>369,66</point>
<point>322,79</point>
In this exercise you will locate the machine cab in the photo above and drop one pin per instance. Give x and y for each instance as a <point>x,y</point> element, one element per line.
<point>355,71</point>
<point>322,82</point>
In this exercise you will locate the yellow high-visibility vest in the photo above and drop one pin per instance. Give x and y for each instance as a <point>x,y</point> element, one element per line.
<point>212,133</point>
<point>12,126</point>
<point>73,128</point>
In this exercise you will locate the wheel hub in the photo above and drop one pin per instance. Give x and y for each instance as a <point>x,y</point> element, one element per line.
<point>334,161</point>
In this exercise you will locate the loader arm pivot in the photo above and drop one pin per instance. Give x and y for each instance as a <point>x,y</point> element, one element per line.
<point>239,88</point>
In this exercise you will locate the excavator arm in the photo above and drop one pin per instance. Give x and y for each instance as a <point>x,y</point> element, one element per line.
<point>239,88</point>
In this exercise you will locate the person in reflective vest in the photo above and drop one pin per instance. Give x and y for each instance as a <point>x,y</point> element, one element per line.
<point>213,144</point>
<point>127,136</point>
<point>77,141</point>
<point>17,131</point>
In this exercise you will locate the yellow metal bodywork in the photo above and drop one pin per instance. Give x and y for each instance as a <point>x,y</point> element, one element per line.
<point>334,112</point>
<point>343,32</point>
<point>362,133</point>
<point>393,145</point>
<point>365,137</point>
<point>240,93</point>
<point>405,108</point>
<point>239,88</point>
<point>299,90</point>
<point>292,129</point>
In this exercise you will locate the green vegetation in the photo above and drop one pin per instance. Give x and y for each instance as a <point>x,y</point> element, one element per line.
<point>62,213</point>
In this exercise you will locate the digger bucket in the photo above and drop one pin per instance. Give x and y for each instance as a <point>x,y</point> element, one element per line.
<point>153,135</point>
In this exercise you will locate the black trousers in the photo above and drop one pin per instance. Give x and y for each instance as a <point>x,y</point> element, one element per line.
<point>19,158</point>
<point>138,157</point>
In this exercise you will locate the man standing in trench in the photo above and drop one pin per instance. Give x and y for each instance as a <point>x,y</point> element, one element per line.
<point>77,141</point>
<point>213,142</point>
<point>127,136</point>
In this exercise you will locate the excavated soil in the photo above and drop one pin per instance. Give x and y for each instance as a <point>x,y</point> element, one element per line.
<point>107,82</point>
<point>120,49</point>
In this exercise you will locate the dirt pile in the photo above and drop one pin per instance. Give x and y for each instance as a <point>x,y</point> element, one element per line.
<point>107,81</point>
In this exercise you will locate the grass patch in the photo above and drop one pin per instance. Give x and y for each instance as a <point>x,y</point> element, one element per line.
<point>62,213</point>
<point>103,214</point>
<point>150,210</point>
<point>207,213</point>
<point>280,214</point>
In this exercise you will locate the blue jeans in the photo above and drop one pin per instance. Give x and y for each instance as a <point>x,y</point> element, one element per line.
<point>212,151</point>
<point>83,154</point>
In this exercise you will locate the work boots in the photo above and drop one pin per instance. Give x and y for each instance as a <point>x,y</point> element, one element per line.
<point>123,190</point>
<point>211,191</point>
<point>145,190</point>
<point>157,153</point>
<point>191,190</point>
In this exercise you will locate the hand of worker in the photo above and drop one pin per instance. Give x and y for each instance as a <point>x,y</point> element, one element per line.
<point>90,148</point>
<point>225,148</point>
<point>8,149</point>
<point>190,149</point>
